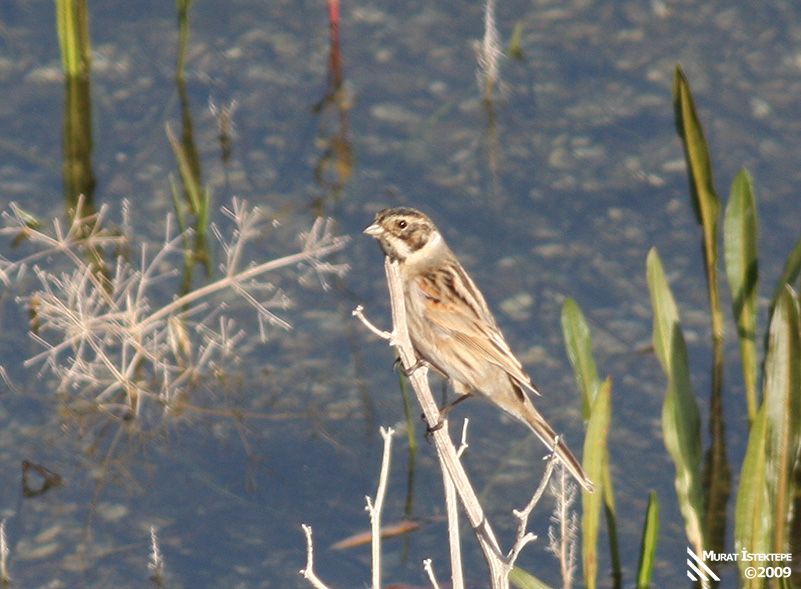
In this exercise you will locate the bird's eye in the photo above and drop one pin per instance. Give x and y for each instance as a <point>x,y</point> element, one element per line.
<point>402,224</point>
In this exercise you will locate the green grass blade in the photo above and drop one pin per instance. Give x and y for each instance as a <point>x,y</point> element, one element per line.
<point>579,350</point>
<point>595,456</point>
<point>183,7</point>
<point>704,197</point>
<point>680,418</point>
<point>189,178</point>
<point>650,534</point>
<point>752,512</point>
<point>180,215</point>
<point>782,397</point>
<point>204,213</point>
<point>522,579</point>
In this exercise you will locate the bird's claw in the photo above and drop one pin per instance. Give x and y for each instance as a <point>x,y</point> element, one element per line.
<point>407,372</point>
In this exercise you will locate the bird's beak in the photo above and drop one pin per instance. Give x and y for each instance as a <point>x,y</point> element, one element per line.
<point>374,230</point>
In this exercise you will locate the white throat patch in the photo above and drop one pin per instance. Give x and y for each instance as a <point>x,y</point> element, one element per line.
<point>428,252</point>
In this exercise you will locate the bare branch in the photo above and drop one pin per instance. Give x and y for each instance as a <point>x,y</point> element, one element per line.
<point>374,509</point>
<point>522,537</point>
<point>452,509</point>
<point>429,569</point>
<point>358,312</point>
<point>308,572</point>
<point>7,379</point>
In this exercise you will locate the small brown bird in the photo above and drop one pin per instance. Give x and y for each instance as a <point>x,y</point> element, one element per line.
<point>453,330</point>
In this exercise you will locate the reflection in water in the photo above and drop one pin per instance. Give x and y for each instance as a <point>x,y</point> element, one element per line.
<point>496,196</point>
<point>196,201</point>
<point>224,116</point>
<point>489,53</point>
<point>121,362</point>
<point>72,20</point>
<point>113,344</point>
<point>78,176</point>
<point>335,165</point>
<point>47,479</point>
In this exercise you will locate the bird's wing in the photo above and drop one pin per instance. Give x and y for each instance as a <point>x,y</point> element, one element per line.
<point>473,326</point>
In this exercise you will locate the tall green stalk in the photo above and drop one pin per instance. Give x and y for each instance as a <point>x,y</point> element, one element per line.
<point>183,7</point>
<point>72,24</point>
<point>717,474</point>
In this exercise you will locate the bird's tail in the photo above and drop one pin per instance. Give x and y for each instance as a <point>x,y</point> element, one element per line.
<point>555,444</point>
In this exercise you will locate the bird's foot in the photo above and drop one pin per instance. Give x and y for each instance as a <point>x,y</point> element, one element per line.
<point>443,415</point>
<point>407,372</point>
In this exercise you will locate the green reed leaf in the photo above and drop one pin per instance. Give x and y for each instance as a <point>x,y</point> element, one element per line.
<point>579,350</point>
<point>595,457</point>
<point>522,579</point>
<point>704,197</point>
<point>752,513</point>
<point>740,250</point>
<point>662,301</point>
<point>650,534</point>
<point>189,178</point>
<point>680,417</point>
<point>578,343</point>
<point>782,398</point>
